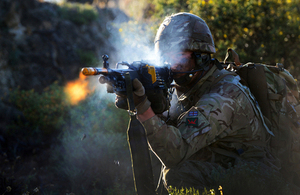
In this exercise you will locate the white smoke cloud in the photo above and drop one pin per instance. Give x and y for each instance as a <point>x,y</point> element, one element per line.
<point>133,41</point>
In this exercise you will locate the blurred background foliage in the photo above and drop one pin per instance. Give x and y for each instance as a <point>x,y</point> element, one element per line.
<point>87,148</point>
<point>78,13</point>
<point>89,151</point>
<point>261,31</point>
<point>46,111</point>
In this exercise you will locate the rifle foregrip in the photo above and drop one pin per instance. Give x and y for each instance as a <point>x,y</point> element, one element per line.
<point>88,71</point>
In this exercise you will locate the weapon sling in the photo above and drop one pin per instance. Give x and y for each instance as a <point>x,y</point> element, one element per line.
<point>140,157</point>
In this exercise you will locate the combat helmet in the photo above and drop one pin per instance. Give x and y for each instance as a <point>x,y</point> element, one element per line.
<point>184,32</point>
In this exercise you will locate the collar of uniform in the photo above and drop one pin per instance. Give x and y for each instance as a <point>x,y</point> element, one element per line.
<point>184,96</point>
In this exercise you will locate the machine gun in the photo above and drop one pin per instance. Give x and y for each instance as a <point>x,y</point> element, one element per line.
<point>157,82</point>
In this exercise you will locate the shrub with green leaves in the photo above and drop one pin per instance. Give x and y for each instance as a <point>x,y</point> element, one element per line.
<point>264,31</point>
<point>91,154</point>
<point>45,111</point>
<point>78,13</point>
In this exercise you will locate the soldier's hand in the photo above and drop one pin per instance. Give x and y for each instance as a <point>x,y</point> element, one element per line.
<point>141,101</point>
<point>121,102</point>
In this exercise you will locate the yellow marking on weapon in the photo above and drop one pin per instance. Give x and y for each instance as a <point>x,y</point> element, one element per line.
<point>151,71</point>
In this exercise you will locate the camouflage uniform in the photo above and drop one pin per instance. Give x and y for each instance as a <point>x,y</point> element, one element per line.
<point>215,123</point>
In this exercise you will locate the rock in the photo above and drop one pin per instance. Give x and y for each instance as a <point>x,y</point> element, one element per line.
<point>12,20</point>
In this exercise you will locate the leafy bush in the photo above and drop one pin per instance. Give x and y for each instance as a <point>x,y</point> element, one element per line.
<point>265,31</point>
<point>91,154</point>
<point>45,111</point>
<point>78,13</point>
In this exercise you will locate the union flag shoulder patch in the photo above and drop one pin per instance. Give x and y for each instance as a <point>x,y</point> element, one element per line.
<point>193,113</point>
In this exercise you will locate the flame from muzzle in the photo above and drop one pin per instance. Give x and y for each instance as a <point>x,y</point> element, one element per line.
<point>77,90</point>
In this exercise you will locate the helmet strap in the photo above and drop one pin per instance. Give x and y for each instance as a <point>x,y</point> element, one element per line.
<point>217,63</point>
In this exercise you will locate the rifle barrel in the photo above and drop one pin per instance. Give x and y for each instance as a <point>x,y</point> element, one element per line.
<point>88,71</point>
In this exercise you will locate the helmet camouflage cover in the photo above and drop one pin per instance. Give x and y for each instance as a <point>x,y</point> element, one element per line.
<point>184,32</point>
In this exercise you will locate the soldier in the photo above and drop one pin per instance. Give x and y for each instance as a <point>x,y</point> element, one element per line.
<point>214,120</point>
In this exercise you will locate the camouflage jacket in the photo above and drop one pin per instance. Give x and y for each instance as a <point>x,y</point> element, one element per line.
<point>216,121</point>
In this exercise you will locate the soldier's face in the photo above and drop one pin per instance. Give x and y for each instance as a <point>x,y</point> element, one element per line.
<point>180,62</point>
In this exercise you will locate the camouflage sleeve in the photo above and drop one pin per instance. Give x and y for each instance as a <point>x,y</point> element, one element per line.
<point>225,111</point>
<point>194,132</point>
<point>166,141</point>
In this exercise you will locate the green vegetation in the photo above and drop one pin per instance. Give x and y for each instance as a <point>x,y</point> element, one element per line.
<point>190,191</point>
<point>246,178</point>
<point>193,191</point>
<point>265,31</point>
<point>44,111</point>
<point>87,58</point>
<point>86,143</point>
<point>92,156</point>
<point>78,13</point>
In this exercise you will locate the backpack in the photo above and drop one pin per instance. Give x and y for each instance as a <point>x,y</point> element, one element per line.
<point>277,95</point>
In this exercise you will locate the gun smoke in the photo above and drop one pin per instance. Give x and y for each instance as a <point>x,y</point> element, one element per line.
<point>95,139</point>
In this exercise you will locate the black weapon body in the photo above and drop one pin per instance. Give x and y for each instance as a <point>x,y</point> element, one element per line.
<point>152,77</point>
<point>156,80</point>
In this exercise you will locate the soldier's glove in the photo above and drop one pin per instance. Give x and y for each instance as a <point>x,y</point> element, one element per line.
<point>140,100</point>
<point>159,100</point>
